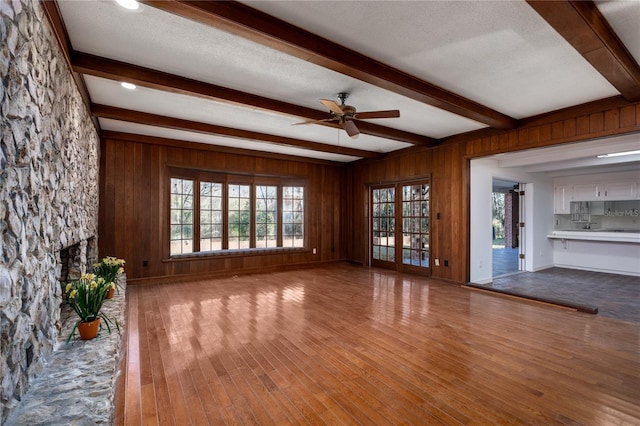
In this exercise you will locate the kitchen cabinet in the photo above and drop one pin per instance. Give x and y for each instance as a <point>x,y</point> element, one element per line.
<point>624,190</point>
<point>596,187</point>
<point>561,199</point>
<point>603,191</point>
<point>586,192</point>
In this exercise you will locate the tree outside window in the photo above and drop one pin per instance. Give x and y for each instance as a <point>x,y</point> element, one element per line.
<point>266,216</point>
<point>181,216</point>
<point>211,223</point>
<point>233,216</point>
<point>239,216</point>
<point>293,216</point>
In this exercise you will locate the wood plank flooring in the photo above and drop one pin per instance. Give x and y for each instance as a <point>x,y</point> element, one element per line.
<point>344,344</point>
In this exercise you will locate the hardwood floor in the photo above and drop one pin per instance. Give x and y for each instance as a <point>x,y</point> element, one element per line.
<point>344,344</point>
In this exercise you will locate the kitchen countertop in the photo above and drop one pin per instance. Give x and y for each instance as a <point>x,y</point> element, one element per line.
<point>605,235</point>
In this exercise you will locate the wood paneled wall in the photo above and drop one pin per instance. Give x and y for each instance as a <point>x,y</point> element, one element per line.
<point>448,166</point>
<point>132,217</point>
<point>132,172</point>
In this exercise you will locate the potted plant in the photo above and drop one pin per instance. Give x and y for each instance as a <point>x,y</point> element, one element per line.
<point>86,296</point>
<point>109,268</point>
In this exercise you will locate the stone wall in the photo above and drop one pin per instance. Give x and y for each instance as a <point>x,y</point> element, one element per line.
<point>49,170</point>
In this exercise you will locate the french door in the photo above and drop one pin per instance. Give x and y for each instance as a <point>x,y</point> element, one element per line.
<point>400,226</point>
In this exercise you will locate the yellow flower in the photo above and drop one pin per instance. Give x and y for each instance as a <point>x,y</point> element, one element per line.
<point>112,286</point>
<point>73,293</point>
<point>120,270</point>
<point>93,285</point>
<point>68,288</point>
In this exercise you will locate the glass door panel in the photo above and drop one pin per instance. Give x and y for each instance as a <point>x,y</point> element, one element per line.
<point>415,225</point>
<point>383,224</point>
<point>400,227</point>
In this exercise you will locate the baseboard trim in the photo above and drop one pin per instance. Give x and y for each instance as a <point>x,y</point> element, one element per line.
<point>604,271</point>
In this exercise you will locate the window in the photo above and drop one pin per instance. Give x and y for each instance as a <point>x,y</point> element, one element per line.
<point>181,221</point>
<point>239,216</point>
<point>293,216</point>
<point>210,216</point>
<point>233,213</point>
<point>266,216</point>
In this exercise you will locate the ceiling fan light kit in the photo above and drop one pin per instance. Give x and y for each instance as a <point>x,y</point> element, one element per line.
<point>344,115</point>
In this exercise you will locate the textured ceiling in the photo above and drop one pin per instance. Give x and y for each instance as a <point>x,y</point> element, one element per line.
<point>501,54</point>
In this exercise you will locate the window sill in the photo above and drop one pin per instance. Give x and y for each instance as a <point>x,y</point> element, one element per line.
<point>208,255</point>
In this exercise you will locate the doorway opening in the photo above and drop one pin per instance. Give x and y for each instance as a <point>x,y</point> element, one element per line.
<point>506,206</point>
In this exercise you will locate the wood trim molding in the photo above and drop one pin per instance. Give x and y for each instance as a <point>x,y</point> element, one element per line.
<point>584,27</point>
<point>115,70</point>
<point>575,111</point>
<point>52,11</point>
<point>57,24</point>
<point>571,113</point>
<point>155,140</point>
<point>128,115</point>
<point>259,27</point>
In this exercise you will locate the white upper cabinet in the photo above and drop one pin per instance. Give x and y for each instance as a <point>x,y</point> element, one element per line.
<point>586,192</point>
<point>623,190</point>
<point>601,187</point>
<point>561,199</point>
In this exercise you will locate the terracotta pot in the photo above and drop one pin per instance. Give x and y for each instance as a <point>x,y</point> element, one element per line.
<point>110,293</point>
<point>88,330</point>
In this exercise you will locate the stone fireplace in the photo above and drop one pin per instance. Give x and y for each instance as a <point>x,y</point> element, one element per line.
<point>74,261</point>
<point>49,173</point>
<point>70,264</point>
<point>77,259</point>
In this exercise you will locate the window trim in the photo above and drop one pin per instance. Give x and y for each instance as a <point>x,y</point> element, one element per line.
<point>227,178</point>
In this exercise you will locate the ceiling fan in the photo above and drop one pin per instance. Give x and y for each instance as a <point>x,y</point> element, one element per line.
<point>344,115</point>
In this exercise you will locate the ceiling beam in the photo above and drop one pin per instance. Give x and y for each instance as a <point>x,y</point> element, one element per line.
<point>115,113</point>
<point>584,27</point>
<point>120,71</point>
<point>257,26</point>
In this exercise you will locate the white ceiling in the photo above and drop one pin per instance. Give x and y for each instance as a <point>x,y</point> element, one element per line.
<point>575,158</point>
<point>501,54</point>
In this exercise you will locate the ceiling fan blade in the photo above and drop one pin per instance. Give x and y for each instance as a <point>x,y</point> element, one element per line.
<point>332,106</point>
<point>313,121</point>
<point>394,113</point>
<point>352,129</point>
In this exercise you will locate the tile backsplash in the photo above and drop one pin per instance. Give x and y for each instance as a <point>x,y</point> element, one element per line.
<point>618,216</point>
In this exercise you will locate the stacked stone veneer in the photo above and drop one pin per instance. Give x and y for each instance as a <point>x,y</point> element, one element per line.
<point>48,189</point>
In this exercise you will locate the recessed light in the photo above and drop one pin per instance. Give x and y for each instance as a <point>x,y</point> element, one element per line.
<point>129,4</point>
<point>129,86</point>
<point>619,154</point>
